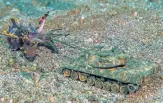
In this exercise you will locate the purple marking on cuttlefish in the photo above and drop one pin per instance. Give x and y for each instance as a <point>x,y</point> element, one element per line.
<point>32,35</point>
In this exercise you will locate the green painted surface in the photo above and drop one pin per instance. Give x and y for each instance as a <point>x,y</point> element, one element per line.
<point>100,65</point>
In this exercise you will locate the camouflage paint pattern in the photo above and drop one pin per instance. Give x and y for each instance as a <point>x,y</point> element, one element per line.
<point>107,66</point>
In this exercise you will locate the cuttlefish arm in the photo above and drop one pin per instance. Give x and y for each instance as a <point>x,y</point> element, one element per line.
<point>42,22</point>
<point>41,27</point>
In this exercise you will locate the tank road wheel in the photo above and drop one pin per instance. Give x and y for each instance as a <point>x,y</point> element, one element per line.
<point>132,88</point>
<point>74,75</point>
<point>115,88</point>
<point>123,89</point>
<point>91,80</point>
<point>98,83</point>
<point>66,73</point>
<point>107,86</point>
<point>82,77</point>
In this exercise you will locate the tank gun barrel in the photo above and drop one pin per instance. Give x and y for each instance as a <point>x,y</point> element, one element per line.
<point>57,32</point>
<point>70,45</point>
<point>99,47</point>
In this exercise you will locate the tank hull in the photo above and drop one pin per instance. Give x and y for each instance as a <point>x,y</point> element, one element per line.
<point>121,74</point>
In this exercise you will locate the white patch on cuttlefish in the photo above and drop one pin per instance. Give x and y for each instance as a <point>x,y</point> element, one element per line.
<point>41,27</point>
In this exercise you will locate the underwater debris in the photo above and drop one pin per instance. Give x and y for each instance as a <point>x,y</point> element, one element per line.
<point>82,19</point>
<point>103,68</point>
<point>12,61</point>
<point>52,99</point>
<point>134,13</point>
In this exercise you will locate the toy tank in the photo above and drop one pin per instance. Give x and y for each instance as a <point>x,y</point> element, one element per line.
<point>110,70</point>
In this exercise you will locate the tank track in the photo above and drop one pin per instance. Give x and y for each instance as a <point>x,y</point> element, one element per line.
<point>104,83</point>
